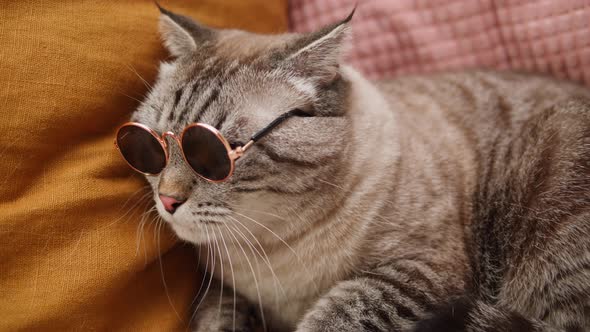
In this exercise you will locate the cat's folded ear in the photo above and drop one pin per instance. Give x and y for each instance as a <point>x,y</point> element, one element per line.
<point>318,55</point>
<point>182,35</point>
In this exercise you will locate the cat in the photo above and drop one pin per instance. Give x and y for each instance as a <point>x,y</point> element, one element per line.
<point>446,202</point>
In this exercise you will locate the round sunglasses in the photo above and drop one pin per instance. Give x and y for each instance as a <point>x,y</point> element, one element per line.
<point>203,147</point>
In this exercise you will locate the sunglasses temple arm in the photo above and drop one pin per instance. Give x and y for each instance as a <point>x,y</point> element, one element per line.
<point>269,127</point>
<point>246,146</point>
<point>273,124</point>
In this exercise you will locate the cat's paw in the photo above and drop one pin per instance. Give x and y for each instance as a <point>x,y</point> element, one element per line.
<point>242,320</point>
<point>451,318</point>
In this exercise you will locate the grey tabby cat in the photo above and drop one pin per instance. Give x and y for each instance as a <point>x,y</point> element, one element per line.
<point>451,202</point>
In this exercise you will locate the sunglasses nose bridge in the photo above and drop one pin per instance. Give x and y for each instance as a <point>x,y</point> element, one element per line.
<point>171,135</point>
<point>175,138</point>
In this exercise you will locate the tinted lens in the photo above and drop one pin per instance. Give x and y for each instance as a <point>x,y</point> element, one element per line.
<point>206,153</point>
<point>141,149</point>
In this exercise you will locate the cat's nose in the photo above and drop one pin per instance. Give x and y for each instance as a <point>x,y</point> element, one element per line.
<point>171,203</point>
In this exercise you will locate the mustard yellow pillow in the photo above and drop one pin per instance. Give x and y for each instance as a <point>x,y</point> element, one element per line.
<point>69,254</point>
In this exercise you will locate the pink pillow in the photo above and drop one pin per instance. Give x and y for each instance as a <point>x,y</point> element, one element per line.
<point>393,37</point>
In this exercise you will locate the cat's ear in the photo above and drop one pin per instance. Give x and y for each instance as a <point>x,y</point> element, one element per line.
<point>318,55</point>
<point>182,35</point>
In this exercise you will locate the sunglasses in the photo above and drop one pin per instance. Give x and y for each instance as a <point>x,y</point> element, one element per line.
<point>203,147</point>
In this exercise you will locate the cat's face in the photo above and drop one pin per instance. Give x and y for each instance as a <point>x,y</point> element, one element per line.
<point>239,82</point>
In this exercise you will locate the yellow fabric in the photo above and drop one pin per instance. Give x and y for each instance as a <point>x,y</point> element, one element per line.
<point>69,258</point>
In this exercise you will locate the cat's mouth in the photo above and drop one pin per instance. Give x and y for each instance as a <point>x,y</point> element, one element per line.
<point>194,232</point>
<point>209,222</point>
<point>183,221</point>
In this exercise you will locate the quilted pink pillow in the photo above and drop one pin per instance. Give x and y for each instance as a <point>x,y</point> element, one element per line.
<point>393,37</point>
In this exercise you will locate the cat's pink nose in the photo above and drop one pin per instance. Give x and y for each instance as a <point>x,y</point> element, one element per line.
<point>170,203</point>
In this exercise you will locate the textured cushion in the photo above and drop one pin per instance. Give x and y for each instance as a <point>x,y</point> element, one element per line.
<point>411,36</point>
<point>69,258</point>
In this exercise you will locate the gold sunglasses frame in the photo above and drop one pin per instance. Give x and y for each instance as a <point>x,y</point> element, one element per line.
<point>233,154</point>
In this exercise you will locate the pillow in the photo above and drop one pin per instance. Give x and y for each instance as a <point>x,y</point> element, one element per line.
<point>70,258</point>
<point>407,36</point>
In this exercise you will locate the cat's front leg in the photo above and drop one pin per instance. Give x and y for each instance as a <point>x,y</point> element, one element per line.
<point>389,298</point>
<point>219,311</point>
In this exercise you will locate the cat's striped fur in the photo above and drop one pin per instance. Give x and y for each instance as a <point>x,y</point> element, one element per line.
<point>451,202</point>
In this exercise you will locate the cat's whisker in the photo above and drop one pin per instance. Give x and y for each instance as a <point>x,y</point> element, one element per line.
<point>233,279</point>
<point>160,223</point>
<point>140,238</point>
<point>202,280</point>
<point>147,85</point>
<point>153,223</point>
<point>141,201</point>
<point>288,218</point>
<point>221,270</point>
<point>265,259</point>
<point>275,278</point>
<point>140,229</point>
<point>128,96</point>
<point>154,235</point>
<point>135,193</point>
<point>238,207</point>
<point>253,275</point>
<point>209,250</point>
<point>283,241</point>
<point>269,230</point>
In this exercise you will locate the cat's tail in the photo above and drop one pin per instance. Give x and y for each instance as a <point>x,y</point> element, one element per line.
<point>467,315</point>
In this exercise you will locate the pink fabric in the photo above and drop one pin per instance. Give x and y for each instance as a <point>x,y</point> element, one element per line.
<point>393,37</point>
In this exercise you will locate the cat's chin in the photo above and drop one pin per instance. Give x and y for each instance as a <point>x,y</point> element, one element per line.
<point>189,233</point>
<point>185,230</point>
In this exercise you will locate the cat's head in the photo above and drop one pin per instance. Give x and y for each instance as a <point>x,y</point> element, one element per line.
<point>239,82</point>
